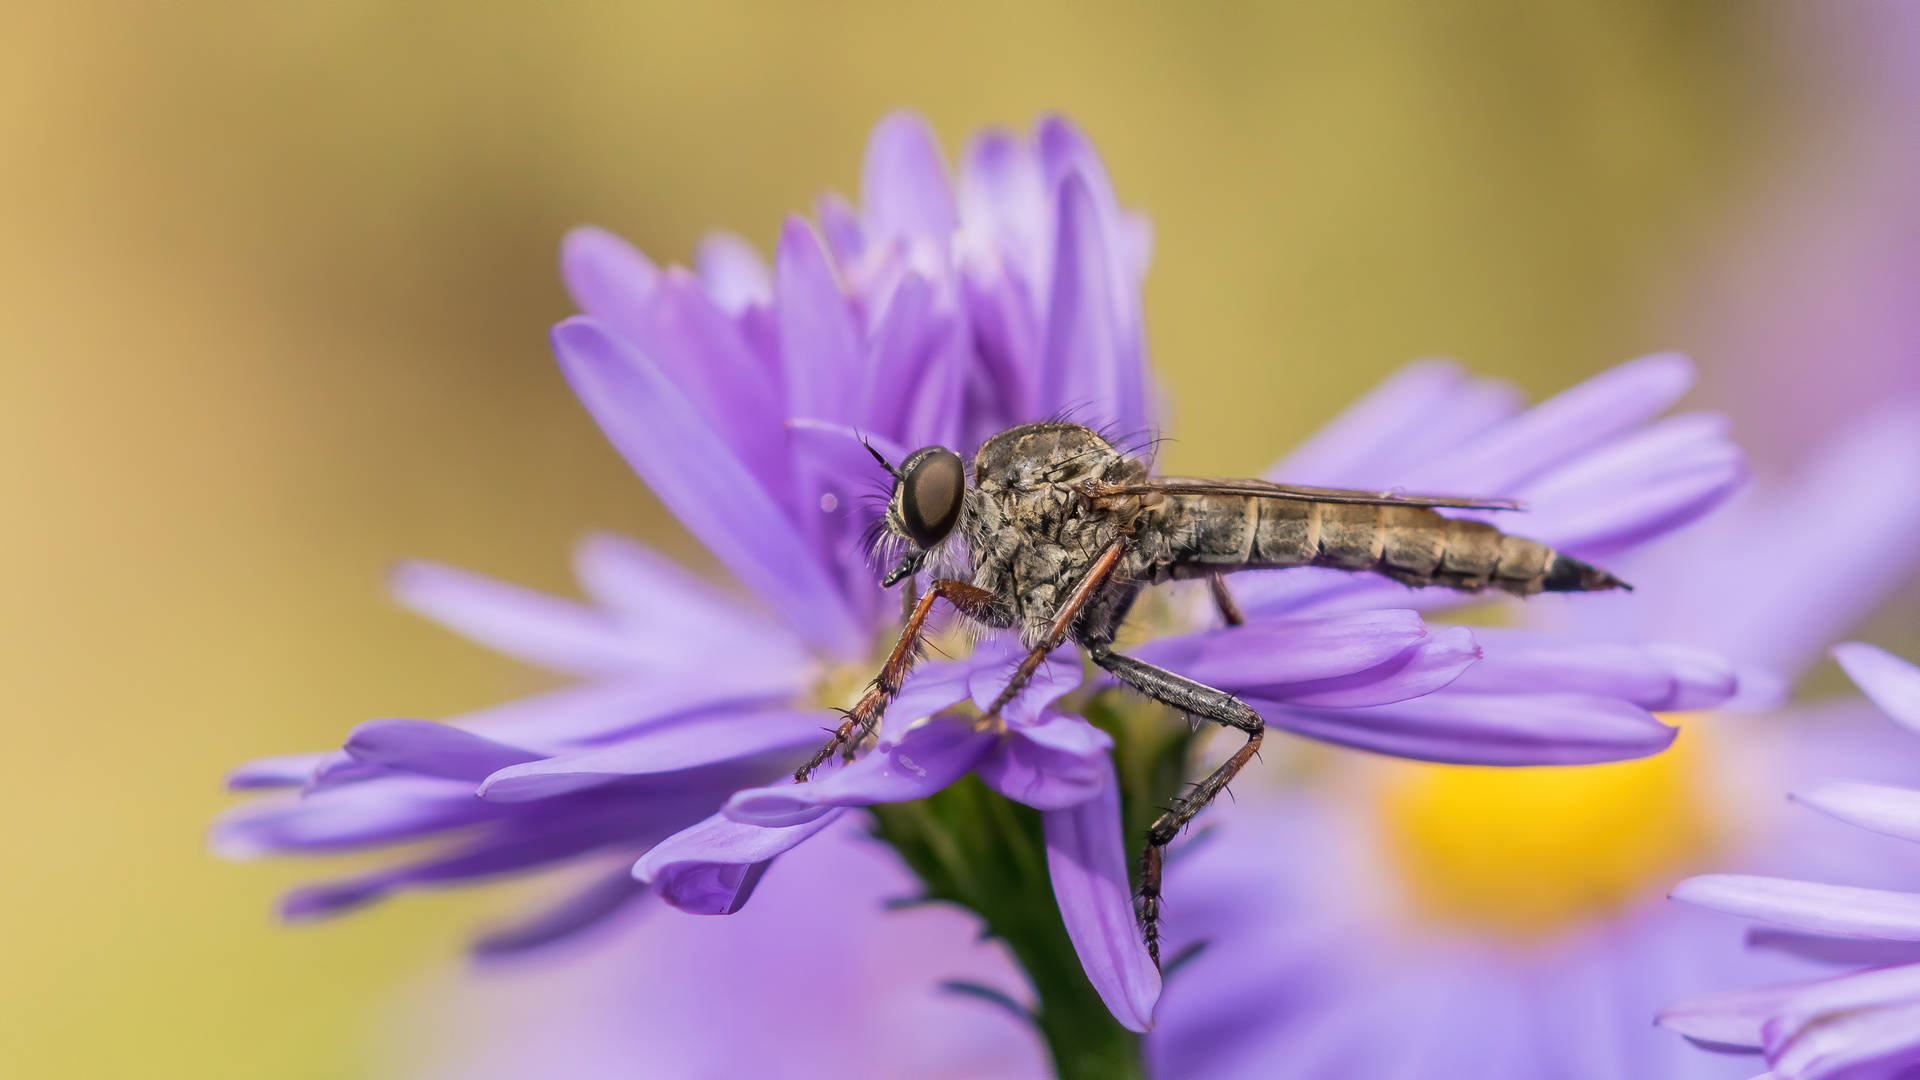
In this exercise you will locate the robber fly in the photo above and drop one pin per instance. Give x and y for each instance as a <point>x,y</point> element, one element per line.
<point>1062,532</point>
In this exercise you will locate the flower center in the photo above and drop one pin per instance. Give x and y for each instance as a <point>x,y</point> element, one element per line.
<point>1529,852</point>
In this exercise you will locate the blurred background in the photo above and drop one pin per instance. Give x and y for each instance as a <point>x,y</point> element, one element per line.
<point>275,280</point>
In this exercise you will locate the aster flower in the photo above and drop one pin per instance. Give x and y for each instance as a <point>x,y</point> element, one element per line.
<point>1862,1025</point>
<point>743,396</point>
<point>1378,918</point>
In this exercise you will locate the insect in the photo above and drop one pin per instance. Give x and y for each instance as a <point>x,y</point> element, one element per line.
<point>1062,531</point>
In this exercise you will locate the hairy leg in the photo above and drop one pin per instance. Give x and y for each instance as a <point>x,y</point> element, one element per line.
<point>1195,699</point>
<point>975,603</point>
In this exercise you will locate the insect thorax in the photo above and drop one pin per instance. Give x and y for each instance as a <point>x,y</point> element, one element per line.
<point>1031,531</point>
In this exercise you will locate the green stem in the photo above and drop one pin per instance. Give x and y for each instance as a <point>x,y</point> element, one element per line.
<point>973,847</point>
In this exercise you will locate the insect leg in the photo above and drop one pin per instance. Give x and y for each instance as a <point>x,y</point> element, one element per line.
<point>1223,601</point>
<point>1196,699</point>
<point>1062,625</point>
<point>977,603</point>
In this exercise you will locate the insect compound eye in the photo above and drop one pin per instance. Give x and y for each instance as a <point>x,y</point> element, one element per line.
<point>931,485</point>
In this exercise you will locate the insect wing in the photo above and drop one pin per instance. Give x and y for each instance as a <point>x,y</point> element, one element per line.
<point>1265,489</point>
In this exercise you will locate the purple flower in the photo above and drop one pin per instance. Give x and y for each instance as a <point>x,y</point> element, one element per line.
<point>1379,918</point>
<point>1863,1025</point>
<point>741,395</point>
<point>942,313</point>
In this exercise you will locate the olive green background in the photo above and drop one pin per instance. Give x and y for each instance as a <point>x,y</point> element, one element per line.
<point>274,285</point>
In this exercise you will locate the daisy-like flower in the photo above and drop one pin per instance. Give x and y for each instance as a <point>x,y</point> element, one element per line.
<point>1381,918</point>
<point>1865,1024</point>
<point>742,394</point>
<point>747,398</point>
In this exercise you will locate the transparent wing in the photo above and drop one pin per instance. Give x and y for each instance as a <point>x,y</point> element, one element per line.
<point>1264,489</point>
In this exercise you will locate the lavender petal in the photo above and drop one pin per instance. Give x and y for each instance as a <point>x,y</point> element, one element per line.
<point>1417,671</point>
<point>608,278</point>
<point>1730,1019</point>
<point>279,771</point>
<point>904,192</point>
<point>1059,762</point>
<point>684,744</point>
<point>1087,860</point>
<point>1890,811</point>
<point>1466,728</point>
<point>684,461</point>
<point>545,630</point>
<point>1888,681</point>
<point>711,868</point>
<point>1808,905</point>
<point>930,756</point>
<point>1662,678</point>
<point>733,273</point>
<point>1079,376</point>
<point>1276,652</point>
<point>584,910</point>
<point>429,749</point>
<point>820,347</point>
<point>668,613</point>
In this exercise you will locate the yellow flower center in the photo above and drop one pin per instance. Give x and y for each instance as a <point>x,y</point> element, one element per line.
<point>1525,853</point>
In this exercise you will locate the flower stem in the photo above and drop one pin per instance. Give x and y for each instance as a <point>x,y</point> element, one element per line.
<point>973,847</point>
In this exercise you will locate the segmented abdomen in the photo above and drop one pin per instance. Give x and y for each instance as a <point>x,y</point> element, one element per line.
<point>1212,534</point>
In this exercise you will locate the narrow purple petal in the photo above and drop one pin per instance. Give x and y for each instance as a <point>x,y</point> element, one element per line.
<point>1824,949</point>
<point>584,910</point>
<point>709,357</point>
<point>1007,205</point>
<point>600,712</point>
<point>545,630</point>
<point>904,191</point>
<point>1642,485</point>
<point>1730,1019</point>
<point>1888,681</point>
<point>1877,808</point>
<point>733,273</point>
<point>284,770</point>
<point>1059,675</point>
<point>608,277</point>
<point>1059,762</point>
<point>430,749</point>
<point>1426,667</point>
<point>1426,408</point>
<point>840,228</point>
<point>1087,351</point>
<point>1666,678</point>
<point>1467,728</point>
<point>712,868</point>
<point>673,618</point>
<point>1808,905</point>
<point>684,744</point>
<point>931,688</point>
<point>1087,859</point>
<point>1274,652</point>
<point>380,812</point>
<point>1573,422</point>
<point>820,347</point>
<point>1877,1044</point>
<point>928,758</point>
<point>685,462</point>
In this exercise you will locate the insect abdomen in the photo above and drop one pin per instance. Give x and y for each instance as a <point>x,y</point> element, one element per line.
<point>1220,533</point>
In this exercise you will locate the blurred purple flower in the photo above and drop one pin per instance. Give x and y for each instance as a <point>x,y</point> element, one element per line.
<point>1864,1025</point>
<point>1319,960</point>
<point>814,981</point>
